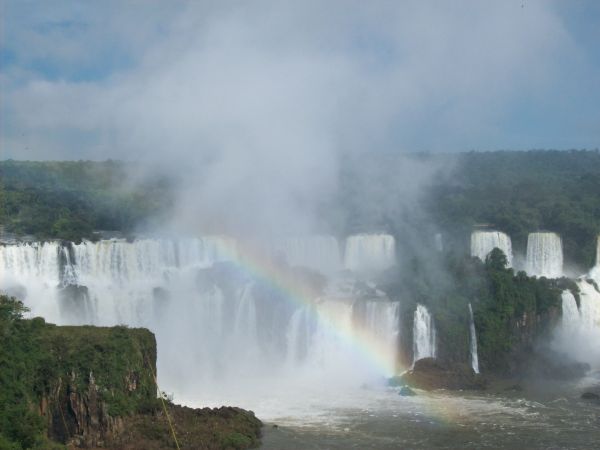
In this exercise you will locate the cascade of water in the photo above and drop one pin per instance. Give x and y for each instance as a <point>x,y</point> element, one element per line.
<point>382,329</point>
<point>544,255</point>
<point>571,318</point>
<point>473,333</point>
<point>579,333</point>
<point>589,306</point>
<point>298,336</point>
<point>32,271</point>
<point>320,253</point>
<point>424,345</point>
<point>483,242</point>
<point>370,252</point>
<point>595,272</point>
<point>230,324</point>
<point>329,344</point>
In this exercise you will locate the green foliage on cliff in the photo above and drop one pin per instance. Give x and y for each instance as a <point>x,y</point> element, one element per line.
<point>511,309</point>
<point>69,200</point>
<point>39,362</point>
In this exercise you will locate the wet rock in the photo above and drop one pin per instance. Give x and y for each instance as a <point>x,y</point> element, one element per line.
<point>395,381</point>
<point>405,391</point>
<point>429,373</point>
<point>590,396</point>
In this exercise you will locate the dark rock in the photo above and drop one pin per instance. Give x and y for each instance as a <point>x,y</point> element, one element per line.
<point>590,396</point>
<point>429,373</point>
<point>395,381</point>
<point>405,391</point>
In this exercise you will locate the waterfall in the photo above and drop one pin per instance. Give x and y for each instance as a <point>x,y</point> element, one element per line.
<point>595,272</point>
<point>298,336</point>
<point>544,255</point>
<point>579,332</point>
<point>424,345</point>
<point>382,329</point>
<point>320,253</point>
<point>571,318</point>
<point>483,242</point>
<point>589,307</point>
<point>370,252</point>
<point>473,333</point>
<point>218,324</point>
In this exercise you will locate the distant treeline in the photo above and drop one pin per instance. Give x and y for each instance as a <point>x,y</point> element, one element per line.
<point>515,192</point>
<point>415,196</point>
<point>69,200</point>
<point>522,192</point>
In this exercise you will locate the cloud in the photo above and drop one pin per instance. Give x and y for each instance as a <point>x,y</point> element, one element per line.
<point>256,101</point>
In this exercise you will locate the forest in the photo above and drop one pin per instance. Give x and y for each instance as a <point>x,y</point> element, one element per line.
<point>514,192</point>
<point>72,199</point>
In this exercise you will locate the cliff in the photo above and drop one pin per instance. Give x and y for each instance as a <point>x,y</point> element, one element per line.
<point>91,387</point>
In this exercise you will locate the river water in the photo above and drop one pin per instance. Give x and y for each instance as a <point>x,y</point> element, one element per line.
<point>548,416</point>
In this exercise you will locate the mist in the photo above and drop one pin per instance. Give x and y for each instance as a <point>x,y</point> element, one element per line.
<point>253,107</point>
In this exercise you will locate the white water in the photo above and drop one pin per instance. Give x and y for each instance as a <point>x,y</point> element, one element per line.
<point>370,252</point>
<point>483,242</point>
<point>579,333</point>
<point>473,336</point>
<point>321,253</point>
<point>223,334</point>
<point>424,345</point>
<point>595,272</point>
<point>571,318</point>
<point>544,255</point>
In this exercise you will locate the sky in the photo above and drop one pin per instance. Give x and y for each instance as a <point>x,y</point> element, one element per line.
<point>297,83</point>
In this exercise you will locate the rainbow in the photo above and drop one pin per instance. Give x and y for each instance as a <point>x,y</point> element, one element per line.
<point>261,266</point>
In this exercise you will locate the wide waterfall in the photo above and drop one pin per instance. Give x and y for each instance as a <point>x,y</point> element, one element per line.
<point>473,339</point>
<point>544,255</point>
<point>370,252</point>
<point>424,345</point>
<point>228,321</point>
<point>483,242</point>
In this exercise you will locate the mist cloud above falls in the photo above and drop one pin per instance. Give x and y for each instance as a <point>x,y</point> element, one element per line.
<point>251,105</point>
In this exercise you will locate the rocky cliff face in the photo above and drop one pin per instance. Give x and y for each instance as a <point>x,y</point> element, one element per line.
<point>100,377</point>
<point>92,387</point>
<point>79,418</point>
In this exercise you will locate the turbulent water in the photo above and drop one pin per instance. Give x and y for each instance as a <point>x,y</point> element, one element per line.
<point>473,341</point>
<point>370,252</point>
<point>483,242</point>
<point>540,417</point>
<point>424,344</point>
<point>579,333</point>
<point>544,255</point>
